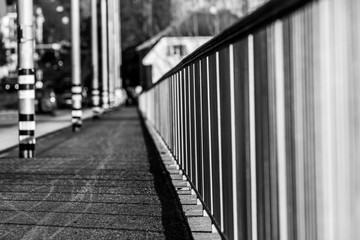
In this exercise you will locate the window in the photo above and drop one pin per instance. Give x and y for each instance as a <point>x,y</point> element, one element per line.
<point>179,50</point>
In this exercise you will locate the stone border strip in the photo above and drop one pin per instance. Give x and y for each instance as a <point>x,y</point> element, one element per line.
<point>199,222</point>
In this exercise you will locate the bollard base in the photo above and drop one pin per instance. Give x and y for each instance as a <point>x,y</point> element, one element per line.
<point>26,154</point>
<point>27,149</point>
<point>97,111</point>
<point>95,117</point>
<point>76,128</point>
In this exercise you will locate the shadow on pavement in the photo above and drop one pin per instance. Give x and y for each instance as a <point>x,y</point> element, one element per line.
<point>173,218</point>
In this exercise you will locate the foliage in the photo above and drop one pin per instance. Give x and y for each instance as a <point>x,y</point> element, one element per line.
<point>141,19</point>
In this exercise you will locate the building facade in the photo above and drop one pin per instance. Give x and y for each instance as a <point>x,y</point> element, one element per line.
<point>168,52</point>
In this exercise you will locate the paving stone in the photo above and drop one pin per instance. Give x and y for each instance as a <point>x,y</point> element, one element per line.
<point>200,224</point>
<point>167,158</point>
<point>183,190</point>
<point>206,236</point>
<point>172,167</point>
<point>180,183</point>
<point>188,199</point>
<point>173,171</point>
<point>193,210</point>
<point>176,176</point>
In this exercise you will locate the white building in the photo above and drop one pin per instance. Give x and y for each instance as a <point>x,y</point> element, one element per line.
<point>168,52</point>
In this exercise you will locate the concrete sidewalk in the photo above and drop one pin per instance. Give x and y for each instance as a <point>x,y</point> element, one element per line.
<point>44,125</point>
<point>106,182</point>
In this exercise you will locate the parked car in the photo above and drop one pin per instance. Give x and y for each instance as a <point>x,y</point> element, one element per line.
<point>9,83</point>
<point>45,100</point>
<point>64,95</point>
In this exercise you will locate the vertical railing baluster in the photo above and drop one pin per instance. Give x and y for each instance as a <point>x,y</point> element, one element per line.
<point>210,145</point>
<point>252,138</point>
<point>181,96</point>
<point>234,144</point>
<point>198,127</point>
<point>218,129</point>
<point>280,127</point>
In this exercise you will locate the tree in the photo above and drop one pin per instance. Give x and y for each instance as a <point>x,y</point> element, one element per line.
<point>141,19</point>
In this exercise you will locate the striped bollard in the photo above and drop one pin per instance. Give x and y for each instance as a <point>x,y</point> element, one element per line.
<point>76,89</point>
<point>105,100</point>
<point>111,53</point>
<point>76,112</point>
<point>104,57</point>
<point>26,79</point>
<point>96,103</point>
<point>95,93</point>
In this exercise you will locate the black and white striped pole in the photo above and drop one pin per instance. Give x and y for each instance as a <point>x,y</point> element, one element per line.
<point>111,51</point>
<point>117,23</point>
<point>76,71</point>
<point>118,28</point>
<point>95,60</point>
<point>26,79</point>
<point>104,58</point>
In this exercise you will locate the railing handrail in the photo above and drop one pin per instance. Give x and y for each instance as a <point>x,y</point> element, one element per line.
<point>264,15</point>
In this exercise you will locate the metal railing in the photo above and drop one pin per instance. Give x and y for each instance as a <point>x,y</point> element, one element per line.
<point>264,121</point>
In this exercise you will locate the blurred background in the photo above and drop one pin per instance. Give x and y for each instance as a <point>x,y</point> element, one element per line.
<point>166,30</point>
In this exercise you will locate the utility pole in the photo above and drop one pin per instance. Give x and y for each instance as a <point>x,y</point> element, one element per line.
<point>76,70</point>
<point>95,60</point>
<point>111,51</point>
<point>26,79</point>
<point>104,53</point>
